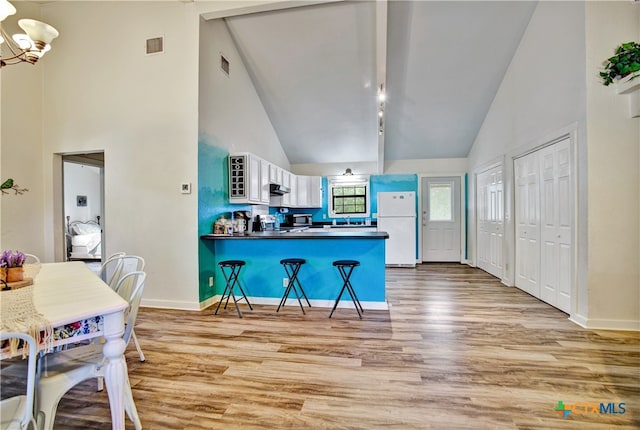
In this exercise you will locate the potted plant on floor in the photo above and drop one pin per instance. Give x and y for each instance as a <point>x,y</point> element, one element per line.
<point>12,265</point>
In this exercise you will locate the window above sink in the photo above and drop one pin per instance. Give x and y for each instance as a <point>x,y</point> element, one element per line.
<point>348,196</point>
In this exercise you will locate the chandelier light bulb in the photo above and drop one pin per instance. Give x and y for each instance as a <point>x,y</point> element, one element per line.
<point>6,9</point>
<point>29,47</point>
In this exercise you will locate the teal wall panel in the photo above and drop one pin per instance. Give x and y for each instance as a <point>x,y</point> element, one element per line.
<point>213,202</point>
<point>262,276</point>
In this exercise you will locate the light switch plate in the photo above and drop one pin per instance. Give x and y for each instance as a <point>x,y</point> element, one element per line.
<point>185,188</point>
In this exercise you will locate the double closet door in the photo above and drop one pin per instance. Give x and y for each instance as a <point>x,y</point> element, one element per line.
<point>544,224</point>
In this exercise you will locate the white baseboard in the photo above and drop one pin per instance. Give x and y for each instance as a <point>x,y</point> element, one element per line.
<point>602,324</point>
<point>189,306</point>
<point>378,306</point>
<point>170,304</point>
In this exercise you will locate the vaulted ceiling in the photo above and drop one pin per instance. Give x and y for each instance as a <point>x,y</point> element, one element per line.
<point>317,70</point>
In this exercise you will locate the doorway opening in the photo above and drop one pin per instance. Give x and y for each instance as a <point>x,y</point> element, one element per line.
<point>83,203</point>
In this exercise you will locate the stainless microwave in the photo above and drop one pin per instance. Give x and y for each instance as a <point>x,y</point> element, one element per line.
<point>299,220</point>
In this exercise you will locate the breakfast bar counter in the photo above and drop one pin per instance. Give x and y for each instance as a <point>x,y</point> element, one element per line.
<point>263,277</point>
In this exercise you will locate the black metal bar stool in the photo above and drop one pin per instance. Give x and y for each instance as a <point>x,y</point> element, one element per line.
<point>231,277</point>
<point>291,268</point>
<point>345,267</point>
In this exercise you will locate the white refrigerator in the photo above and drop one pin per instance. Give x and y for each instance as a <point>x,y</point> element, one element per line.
<point>397,216</point>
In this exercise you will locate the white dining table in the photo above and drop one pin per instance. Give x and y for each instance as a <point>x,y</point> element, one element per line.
<point>70,295</point>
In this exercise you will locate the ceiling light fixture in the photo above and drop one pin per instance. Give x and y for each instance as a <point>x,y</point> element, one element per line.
<point>382,97</point>
<point>29,47</point>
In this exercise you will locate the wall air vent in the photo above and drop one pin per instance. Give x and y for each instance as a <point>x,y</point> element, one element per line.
<point>224,64</point>
<point>155,45</point>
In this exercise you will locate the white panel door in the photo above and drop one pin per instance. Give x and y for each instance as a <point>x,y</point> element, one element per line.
<point>527,224</point>
<point>544,224</point>
<point>489,196</point>
<point>441,219</point>
<point>555,223</point>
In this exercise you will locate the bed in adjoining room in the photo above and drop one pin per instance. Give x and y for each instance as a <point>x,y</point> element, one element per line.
<point>84,239</point>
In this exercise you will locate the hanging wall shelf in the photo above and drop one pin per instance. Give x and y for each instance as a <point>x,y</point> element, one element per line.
<point>631,88</point>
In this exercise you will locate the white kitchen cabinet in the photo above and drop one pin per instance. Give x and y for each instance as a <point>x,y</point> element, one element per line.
<point>275,174</point>
<point>265,189</point>
<point>293,195</point>
<point>309,191</point>
<point>315,191</point>
<point>248,179</point>
<point>286,182</point>
<point>303,191</point>
<point>254,179</point>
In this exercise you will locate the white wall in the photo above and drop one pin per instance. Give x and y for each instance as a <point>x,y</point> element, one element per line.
<point>551,89</point>
<point>613,139</point>
<point>331,169</point>
<point>439,166</point>
<point>542,97</point>
<point>231,114</point>
<point>444,166</point>
<point>21,141</point>
<point>81,180</point>
<point>102,93</point>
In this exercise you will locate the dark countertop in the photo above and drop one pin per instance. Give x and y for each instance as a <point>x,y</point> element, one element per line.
<point>306,234</point>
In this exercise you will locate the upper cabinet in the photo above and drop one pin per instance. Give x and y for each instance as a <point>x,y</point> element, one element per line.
<point>309,191</point>
<point>275,174</point>
<point>303,191</point>
<point>249,182</point>
<point>315,191</point>
<point>248,179</point>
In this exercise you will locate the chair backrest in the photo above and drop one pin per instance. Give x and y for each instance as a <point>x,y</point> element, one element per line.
<point>110,268</point>
<point>31,259</point>
<point>130,287</point>
<point>129,263</point>
<point>27,412</point>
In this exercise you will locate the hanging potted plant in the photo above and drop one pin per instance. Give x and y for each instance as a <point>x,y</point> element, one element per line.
<point>625,63</point>
<point>12,265</point>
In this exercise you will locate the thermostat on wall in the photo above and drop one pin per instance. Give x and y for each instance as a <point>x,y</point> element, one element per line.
<point>185,188</point>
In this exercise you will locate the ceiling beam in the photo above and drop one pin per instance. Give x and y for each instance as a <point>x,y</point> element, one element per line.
<point>381,74</point>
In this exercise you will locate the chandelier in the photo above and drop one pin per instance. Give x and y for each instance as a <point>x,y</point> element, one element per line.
<point>27,47</point>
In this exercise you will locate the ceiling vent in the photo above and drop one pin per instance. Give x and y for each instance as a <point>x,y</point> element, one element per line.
<point>155,45</point>
<point>224,64</point>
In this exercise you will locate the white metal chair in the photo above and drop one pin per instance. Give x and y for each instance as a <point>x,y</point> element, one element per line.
<point>109,268</point>
<point>128,264</point>
<point>31,259</point>
<point>68,368</point>
<point>17,412</point>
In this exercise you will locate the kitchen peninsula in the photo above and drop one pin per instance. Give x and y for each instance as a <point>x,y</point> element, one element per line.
<point>262,277</point>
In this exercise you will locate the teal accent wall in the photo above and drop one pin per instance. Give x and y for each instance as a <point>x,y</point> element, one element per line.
<point>386,183</point>
<point>213,202</point>
<point>263,273</point>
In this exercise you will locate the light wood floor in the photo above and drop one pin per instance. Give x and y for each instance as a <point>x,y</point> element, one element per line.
<point>456,350</point>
